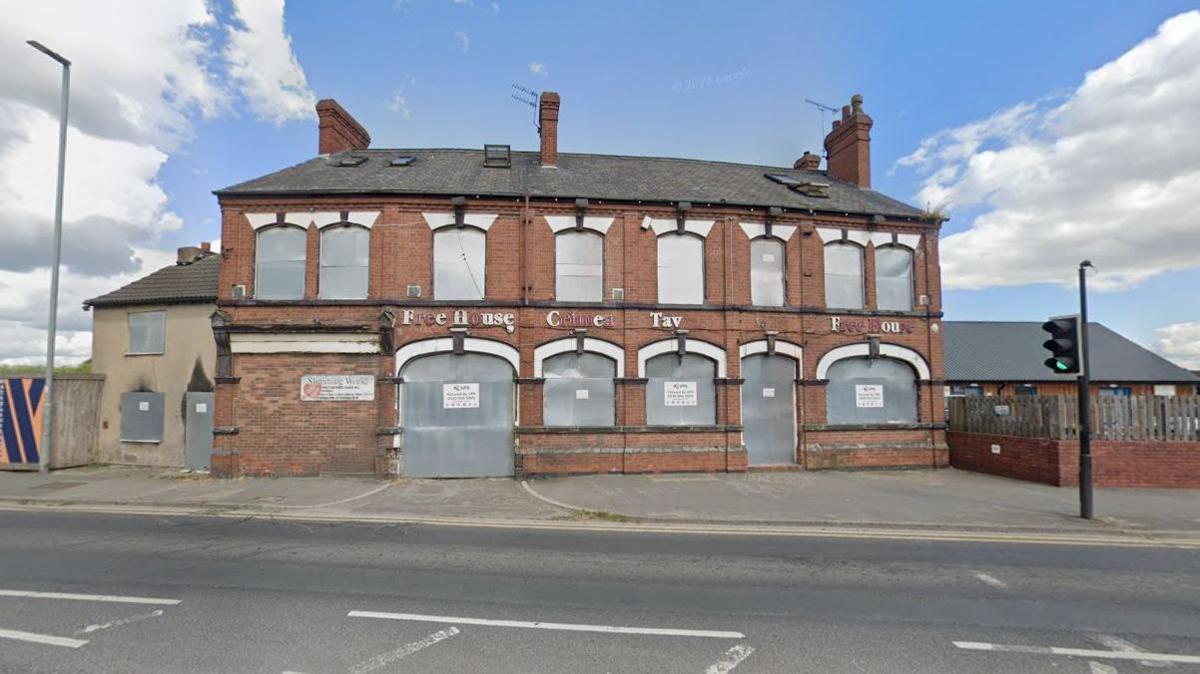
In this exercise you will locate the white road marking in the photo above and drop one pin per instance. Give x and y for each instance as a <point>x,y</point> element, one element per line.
<point>47,639</point>
<point>609,629</point>
<point>1078,652</point>
<point>1119,644</point>
<point>90,597</point>
<point>1101,668</point>
<point>732,658</point>
<point>385,659</point>
<point>119,622</point>
<point>991,580</point>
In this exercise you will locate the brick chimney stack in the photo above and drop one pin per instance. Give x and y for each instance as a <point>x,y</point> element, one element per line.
<point>548,127</point>
<point>809,162</point>
<point>848,145</point>
<point>338,131</point>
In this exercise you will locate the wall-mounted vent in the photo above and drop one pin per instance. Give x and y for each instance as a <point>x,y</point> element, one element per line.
<point>414,291</point>
<point>353,160</point>
<point>497,156</point>
<point>239,292</point>
<point>402,161</point>
<point>618,294</point>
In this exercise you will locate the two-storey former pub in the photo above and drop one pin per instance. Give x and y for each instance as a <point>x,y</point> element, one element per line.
<point>449,312</point>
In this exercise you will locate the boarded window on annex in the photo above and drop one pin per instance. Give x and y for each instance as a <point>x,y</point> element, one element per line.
<point>579,267</point>
<point>147,332</point>
<point>893,278</point>
<point>843,276</point>
<point>345,262</point>
<point>871,391</point>
<point>680,269</point>
<point>142,416</point>
<point>693,400</point>
<point>459,263</point>
<point>579,390</point>
<point>767,272</point>
<point>280,254</point>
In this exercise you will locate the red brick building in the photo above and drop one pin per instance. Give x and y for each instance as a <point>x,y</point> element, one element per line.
<point>465,312</point>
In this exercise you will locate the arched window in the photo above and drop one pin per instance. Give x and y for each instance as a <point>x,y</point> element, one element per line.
<point>345,258</point>
<point>459,263</point>
<point>579,390</point>
<point>767,272</point>
<point>843,276</point>
<point>579,266</point>
<point>893,278</point>
<point>680,390</point>
<point>680,269</point>
<point>279,256</point>
<point>871,391</point>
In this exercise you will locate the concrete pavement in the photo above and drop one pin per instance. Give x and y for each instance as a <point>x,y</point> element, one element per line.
<point>916,500</point>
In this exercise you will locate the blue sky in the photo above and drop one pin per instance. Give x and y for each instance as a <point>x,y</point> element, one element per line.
<point>715,80</point>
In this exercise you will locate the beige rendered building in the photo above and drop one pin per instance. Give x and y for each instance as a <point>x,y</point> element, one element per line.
<point>152,339</point>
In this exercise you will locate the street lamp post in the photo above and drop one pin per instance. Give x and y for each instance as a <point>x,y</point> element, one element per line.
<point>1085,400</point>
<point>48,391</point>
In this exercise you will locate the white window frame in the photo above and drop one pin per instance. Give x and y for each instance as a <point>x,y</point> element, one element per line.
<point>482,282</point>
<point>129,333</point>
<point>703,272</point>
<point>862,272</point>
<point>603,245</point>
<point>258,249</point>
<point>336,228</point>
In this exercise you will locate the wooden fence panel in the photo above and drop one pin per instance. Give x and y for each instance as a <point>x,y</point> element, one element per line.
<point>1133,418</point>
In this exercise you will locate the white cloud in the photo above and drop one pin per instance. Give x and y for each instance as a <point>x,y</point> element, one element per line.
<point>1112,174</point>
<point>142,72</point>
<point>1180,342</point>
<point>495,8</point>
<point>538,68</point>
<point>464,41</point>
<point>263,64</point>
<point>399,104</point>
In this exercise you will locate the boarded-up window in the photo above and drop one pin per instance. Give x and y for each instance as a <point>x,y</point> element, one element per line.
<point>893,278</point>
<point>843,276</point>
<point>680,269</point>
<point>345,261</point>
<point>147,332</point>
<point>871,391</point>
<point>579,267</point>
<point>142,416</point>
<point>279,263</point>
<point>459,263</point>
<point>680,390</point>
<point>579,390</point>
<point>766,272</point>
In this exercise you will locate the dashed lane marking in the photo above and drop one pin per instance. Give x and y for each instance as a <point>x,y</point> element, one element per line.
<point>119,622</point>
<point>89,597</point>
<point>732,658</point>
<point>1079,652</point>
<point>47,639</point>
<point>1119,644</point>
<point>538,625</point>
<point>385,659</point>
<point>991,580</point>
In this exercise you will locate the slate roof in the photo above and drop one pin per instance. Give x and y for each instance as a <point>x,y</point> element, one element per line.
<point>176,284</point>
<point>1012,351</point>
<point>591,176</point>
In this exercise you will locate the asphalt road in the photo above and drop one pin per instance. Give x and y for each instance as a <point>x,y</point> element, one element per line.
<point>219,595</point>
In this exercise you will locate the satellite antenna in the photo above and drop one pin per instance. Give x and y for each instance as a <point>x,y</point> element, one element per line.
<point>528,97</point>
<point>823,109</point>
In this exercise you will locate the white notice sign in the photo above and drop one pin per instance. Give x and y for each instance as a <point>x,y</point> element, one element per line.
<point>768,257</point>
<point>581,394</point>
<point>201,408</point>
<point>768,393</point>
<point>337,387</point>
<point>868,395</point>
<point>460,396</point>
<point>143,406</point>
<point>680,394</point>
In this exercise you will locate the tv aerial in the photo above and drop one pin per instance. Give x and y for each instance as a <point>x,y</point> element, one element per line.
<point>528,97</point>
<point>822,108</point>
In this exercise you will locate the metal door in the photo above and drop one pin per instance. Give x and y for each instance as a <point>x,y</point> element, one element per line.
<point>769,409</point>
<point>457,416</point>
<point>198,430</point>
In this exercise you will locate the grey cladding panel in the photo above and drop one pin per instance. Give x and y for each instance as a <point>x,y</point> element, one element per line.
<point>579,390</point>
<point>693,400</point>
<point>853,383</point>
<point>142,417</point>
<point>769,409</point>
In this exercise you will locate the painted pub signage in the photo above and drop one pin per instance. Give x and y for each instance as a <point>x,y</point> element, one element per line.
<point>574,319</point>
<point>474,319</point>
<point>859,326</point>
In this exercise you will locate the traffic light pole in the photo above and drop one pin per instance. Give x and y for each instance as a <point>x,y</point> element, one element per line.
<point>1085,402</point>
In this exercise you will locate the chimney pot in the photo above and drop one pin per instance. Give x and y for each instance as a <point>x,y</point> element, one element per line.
<point>337,130</point>
<point>548,104</point>
<point>188,254</point>
<point>206,246</point>
<point>848,145</point>
<point>808,162</point>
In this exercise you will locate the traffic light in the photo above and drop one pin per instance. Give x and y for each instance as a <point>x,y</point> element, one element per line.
<point>1064,344</point>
